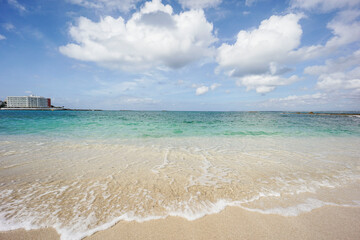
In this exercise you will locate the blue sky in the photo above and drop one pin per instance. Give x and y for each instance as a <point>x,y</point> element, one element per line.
<point>182,54</point>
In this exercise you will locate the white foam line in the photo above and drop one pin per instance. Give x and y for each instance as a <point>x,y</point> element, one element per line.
<point>164,164</point>
<point>129,217</point>
<point>292,211</point>
<point>187,212</point>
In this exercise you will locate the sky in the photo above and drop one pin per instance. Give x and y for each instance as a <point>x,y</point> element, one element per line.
<point>197,55</point>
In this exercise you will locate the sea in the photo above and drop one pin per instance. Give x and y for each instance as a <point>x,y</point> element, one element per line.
<point>80,172</point>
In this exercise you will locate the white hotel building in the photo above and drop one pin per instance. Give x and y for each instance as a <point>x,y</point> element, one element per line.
<point>28,102</point>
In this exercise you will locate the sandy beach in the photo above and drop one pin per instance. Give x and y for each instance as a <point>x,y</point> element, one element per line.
<point>232,223</point>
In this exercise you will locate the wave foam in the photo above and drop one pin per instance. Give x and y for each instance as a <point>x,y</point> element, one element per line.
<point>188,212</point>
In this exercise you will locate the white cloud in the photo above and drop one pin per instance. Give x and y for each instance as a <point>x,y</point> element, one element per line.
<point>255,51</point>
<point>258,57</point>
<point>199,3</point>
<point>264,83</point>
<point>345,28</point>
<point>323,5</point>
<point>261,55</point>
<point>338,65</point>
<point>2,37</point>
<point>339,80</point>
<point>338,75</point>
<point>202,90</point>
<point>314,102</point>
<point>277,40</point>
<point>293,102</point>
<point>137,100</point>
<point>17,5</point>
<point>214,86</point>
<point>249,2</point>
<point>152,37</point>
<point>8,26</point>
<point>302,98</point>
<point>121,5</point>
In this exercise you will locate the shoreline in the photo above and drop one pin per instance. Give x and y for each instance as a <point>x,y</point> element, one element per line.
<point>328,222</point>
<point>282,177</point>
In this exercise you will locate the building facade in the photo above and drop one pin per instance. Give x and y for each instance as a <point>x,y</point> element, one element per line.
<point>28,102</point>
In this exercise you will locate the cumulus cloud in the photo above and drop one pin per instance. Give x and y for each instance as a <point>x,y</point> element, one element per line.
<point>2,37</point>
<point>264,83</point>
<point>264,52</point>
<point>339,74</point>
<point>335,65</point>
<point>255,51</point>
<point>340,80</point>
<point>202,90</point>
<point>121,5</point>
<point>214,86</point>
<point>199,3</point>
<point>17,5</point>
<point>277,42</point>
<point>345,28</point>
<point>258,57</point>
<point>152,37</point>
<point>323,5</point>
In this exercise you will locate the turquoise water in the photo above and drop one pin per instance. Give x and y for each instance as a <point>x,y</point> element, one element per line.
<point>141,124</point>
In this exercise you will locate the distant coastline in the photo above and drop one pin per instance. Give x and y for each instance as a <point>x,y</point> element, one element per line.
<point>49,109</point>
<point>321,113</point>
<point>282,112</point>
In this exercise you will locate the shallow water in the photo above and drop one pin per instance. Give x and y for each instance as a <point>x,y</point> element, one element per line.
<point>115,125</point>
<point>80,172</point>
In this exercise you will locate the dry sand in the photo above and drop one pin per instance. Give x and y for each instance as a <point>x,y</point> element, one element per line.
<point>232,223</point>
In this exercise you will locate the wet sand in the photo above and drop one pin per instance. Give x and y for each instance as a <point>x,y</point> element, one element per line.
<point>233,223</point>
